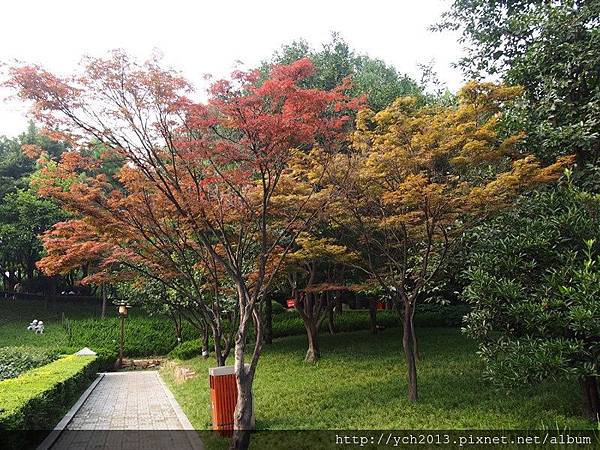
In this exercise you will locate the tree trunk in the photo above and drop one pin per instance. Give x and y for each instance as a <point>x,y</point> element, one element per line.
<point>268,320</point>
<point>338,305</point>
<point>30,269</point>
<point>313,353</point>
<point>103,313</point>
<point>218,350</point>
<point>591,399</point>
<point>330,316</point>
<point>205,343</point>
<point>244,376</point>
<point>177,324</point>
<point>243,412</point>
<point>373,315</point>
<point>413,332</point>
<point>408,345</point>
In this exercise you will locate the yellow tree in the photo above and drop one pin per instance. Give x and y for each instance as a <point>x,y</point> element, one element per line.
<point>419,177</point>
<point>315,270</point>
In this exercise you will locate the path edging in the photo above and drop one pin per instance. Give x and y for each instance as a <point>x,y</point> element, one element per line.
<point>60,426</point>
<point>191,432</point>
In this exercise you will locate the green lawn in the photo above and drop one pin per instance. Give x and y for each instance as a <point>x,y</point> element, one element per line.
<point>360,384</point>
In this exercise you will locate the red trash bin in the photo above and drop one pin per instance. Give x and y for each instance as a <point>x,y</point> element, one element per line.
<point>223,398</point>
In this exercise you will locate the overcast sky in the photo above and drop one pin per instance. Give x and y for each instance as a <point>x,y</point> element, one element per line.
<point>200,37</point>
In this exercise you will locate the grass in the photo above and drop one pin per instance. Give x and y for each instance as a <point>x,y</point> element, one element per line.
<point>144,335</point>
<point>360,384</point>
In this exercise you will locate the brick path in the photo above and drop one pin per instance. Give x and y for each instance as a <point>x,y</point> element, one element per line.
<point>136,400</point>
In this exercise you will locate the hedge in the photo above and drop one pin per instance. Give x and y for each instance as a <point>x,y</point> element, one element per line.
<point>39,398</point>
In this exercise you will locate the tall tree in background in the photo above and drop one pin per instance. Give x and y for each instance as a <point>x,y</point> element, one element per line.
<point>552,49</point>
<point>421,176</point>
<point>381,83</point>
<point>23,215</point>
<point>17,158</point>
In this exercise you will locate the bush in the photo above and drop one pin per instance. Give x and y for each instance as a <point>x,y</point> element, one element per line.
<point>144,336</point>
<point>435,315</point>
<point>187,350</point>
<point>39,398</point>
<point>290,323</point>
<point>16,360</point>
<point>278,308</point>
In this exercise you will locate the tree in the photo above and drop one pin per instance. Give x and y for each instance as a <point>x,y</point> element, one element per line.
<point>23,217</point>
<point>217,174</point>
<point>534,282</point>
<point>136,244</point>
<point>419,177</point>
<point>315,271</point>
<point>17,157</point>
<point>378,81</point>
<point>552,50</point>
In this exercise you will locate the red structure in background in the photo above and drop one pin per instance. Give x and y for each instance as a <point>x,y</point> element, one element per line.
<point>291,303</point>
<point>380,306</point>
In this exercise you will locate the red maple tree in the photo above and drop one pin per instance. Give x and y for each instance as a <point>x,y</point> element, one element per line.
<point>228,177</point>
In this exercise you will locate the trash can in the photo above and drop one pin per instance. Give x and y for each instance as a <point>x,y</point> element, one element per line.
<point>223,398</point>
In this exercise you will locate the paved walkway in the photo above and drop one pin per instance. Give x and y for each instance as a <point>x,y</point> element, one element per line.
<point>117,404</point>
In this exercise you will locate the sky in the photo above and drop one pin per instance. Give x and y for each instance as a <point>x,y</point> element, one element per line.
<point>201,37</point>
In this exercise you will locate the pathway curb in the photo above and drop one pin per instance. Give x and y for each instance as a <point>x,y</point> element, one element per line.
<point>60,426</point>
<point>192,435</point>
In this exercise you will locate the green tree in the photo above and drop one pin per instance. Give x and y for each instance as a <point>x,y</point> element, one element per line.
<point>534,283</point>
<point>552,49</point>
<point>16,166</point>
<point>380,82</point>
<point>23,217</point>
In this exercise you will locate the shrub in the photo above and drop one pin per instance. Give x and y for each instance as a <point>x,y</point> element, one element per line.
<point>187,350</point>
<point>144,336</point>
<point>278,308</point>
<point>435,315</point>
<point>16,360</point>
<point>39,398</point>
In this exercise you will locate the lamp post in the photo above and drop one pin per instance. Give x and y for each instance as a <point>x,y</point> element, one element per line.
<point>123,311</point>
